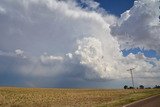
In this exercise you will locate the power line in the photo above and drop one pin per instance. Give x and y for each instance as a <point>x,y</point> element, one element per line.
<point>131,69</point>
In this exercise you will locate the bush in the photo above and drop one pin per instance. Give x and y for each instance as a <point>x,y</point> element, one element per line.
<point>131,87</point>
<point>141,87</point>
<point>157,86</point>
<point>125,87</point>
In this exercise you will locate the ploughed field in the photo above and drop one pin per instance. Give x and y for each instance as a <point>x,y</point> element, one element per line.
<point>48,97</point>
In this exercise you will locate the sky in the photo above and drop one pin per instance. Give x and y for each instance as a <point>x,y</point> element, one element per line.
<point>116,7</point>
<point>79,43</point>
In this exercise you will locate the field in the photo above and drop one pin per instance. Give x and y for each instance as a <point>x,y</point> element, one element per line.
<point>42,97</point>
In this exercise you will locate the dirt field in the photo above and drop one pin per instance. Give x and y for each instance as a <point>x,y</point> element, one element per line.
<point>42,97</point>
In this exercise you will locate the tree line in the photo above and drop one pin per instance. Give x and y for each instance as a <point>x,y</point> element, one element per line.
<point>141,87</point>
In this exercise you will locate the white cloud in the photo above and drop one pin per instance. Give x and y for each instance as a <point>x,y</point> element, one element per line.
<point>2,10</point>
<point>45,58</point>
<point>69,55</point>
<point>139,26</point>
<point>91,4</point>
<point>19,52</point>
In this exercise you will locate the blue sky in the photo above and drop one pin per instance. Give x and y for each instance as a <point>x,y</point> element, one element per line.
<point>116,7</point>
<point>147,53</point>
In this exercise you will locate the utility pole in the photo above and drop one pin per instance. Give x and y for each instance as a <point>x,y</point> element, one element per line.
<point>131,70</point>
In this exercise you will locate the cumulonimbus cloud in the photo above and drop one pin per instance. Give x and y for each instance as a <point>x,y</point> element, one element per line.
<point>60,40</point>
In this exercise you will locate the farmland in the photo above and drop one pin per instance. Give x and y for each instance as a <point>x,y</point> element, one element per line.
<point>48,97</point>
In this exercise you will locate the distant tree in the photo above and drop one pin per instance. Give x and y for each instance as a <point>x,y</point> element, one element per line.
<point>148,88</point>
<point>131,87</point>
<point>157,86</point>
<point>141,87</point>
<point>125,87</point>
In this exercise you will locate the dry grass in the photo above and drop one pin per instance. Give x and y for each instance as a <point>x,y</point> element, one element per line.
<point>40,97</point>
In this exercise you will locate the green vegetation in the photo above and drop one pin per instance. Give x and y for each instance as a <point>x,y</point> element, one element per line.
<point>133,96</point>
<point>41,97</point>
